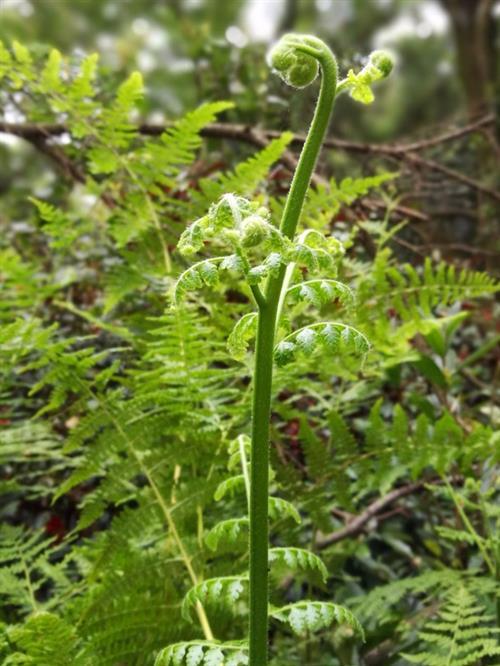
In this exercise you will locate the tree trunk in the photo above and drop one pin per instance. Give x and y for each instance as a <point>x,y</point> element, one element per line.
<point>474,30</point>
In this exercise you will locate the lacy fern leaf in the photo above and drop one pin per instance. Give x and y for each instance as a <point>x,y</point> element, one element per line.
<point>243,331</point>
<point>463,633</point>
<point>311,616</point>
<point>203,653</point>
<point>228,533</point>
<point>44,640</point>
<point>297,560</point>
<point>280,508</point>
<point>321,292</point>
<point>331,336</point>
<point>216,592</point>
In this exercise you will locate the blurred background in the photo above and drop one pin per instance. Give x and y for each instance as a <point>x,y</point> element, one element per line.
<point>190,51</point>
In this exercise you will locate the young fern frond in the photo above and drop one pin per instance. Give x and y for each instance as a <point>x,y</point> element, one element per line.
<point>244,330</point>
<point>215,592</point>
<point>378,67</point>
<point>280,509</point>
<point>333,337</point>
<point>204,272</point>
<point>262,252</point>
<point>228,534</point>
<point>204,653</point>
<point>306,617</point>
<point>297,560</point>
<point>321,292</point>
<point>230,486</point>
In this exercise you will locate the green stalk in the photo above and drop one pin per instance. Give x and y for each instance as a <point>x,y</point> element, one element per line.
<point>303,51</point>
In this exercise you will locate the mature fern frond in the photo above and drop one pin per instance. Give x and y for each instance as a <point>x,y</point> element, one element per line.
<point>135,609</point>
<point>21,286</point>
<point>178,144</point>
<point>44,640</point>
<point>415,295</point>
<point>174,392</point>
<point>325,200</point>
<point>35,454</point>
<point>463,633</point>
<point>27,566</point>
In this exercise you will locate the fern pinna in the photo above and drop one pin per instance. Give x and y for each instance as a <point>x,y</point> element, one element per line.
<point>270,258</point>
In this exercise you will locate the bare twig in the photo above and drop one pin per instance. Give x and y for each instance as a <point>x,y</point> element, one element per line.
<point>357,524</point>
<point>240,132</point>
<point>37,134</point>
<point>451,173</point>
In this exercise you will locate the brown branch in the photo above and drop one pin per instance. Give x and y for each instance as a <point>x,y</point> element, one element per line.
<point>357,524</point>
<point>451,173</point>
<point>260,137</point>
<point>458,133</point>
<point>70,170</point>
<point>240,132</point>
<point>402,211</point>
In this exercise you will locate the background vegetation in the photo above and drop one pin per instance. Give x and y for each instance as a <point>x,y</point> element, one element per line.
<point>119,416</point>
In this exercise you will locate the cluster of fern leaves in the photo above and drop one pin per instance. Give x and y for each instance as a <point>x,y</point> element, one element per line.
<point>123,464</point>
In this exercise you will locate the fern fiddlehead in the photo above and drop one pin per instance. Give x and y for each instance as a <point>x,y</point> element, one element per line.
<point>297,59</point>
<point>245,228</point>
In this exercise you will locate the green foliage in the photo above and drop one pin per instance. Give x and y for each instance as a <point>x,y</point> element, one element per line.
<point>243,331</point>
<point>378,67</point>
<point>312,616</point>
<point>296,560</point>
<point>209,653</point>
<point>227,533</point>
<point>215,591</point>
<point>45,640</point>
<point>463,633</point>
<point>280,508</point>
<point>245,179</point>
<point>121,417</point>
<point>332,337</point>
<point>26,568</point>
<point>321,292</point>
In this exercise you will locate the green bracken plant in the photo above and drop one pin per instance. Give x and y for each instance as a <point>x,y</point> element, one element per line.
<point>272,260</point>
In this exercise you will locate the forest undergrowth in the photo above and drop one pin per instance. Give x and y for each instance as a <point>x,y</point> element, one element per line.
<point>125,410</point>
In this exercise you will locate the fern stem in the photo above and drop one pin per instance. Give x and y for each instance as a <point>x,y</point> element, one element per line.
<point>259,491</point>
<point>262,387</point>
<point>258,295</point>
<point>29,586</point>
<point>470,528</point>
<point>244,466</point>
<point>284,288</point>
